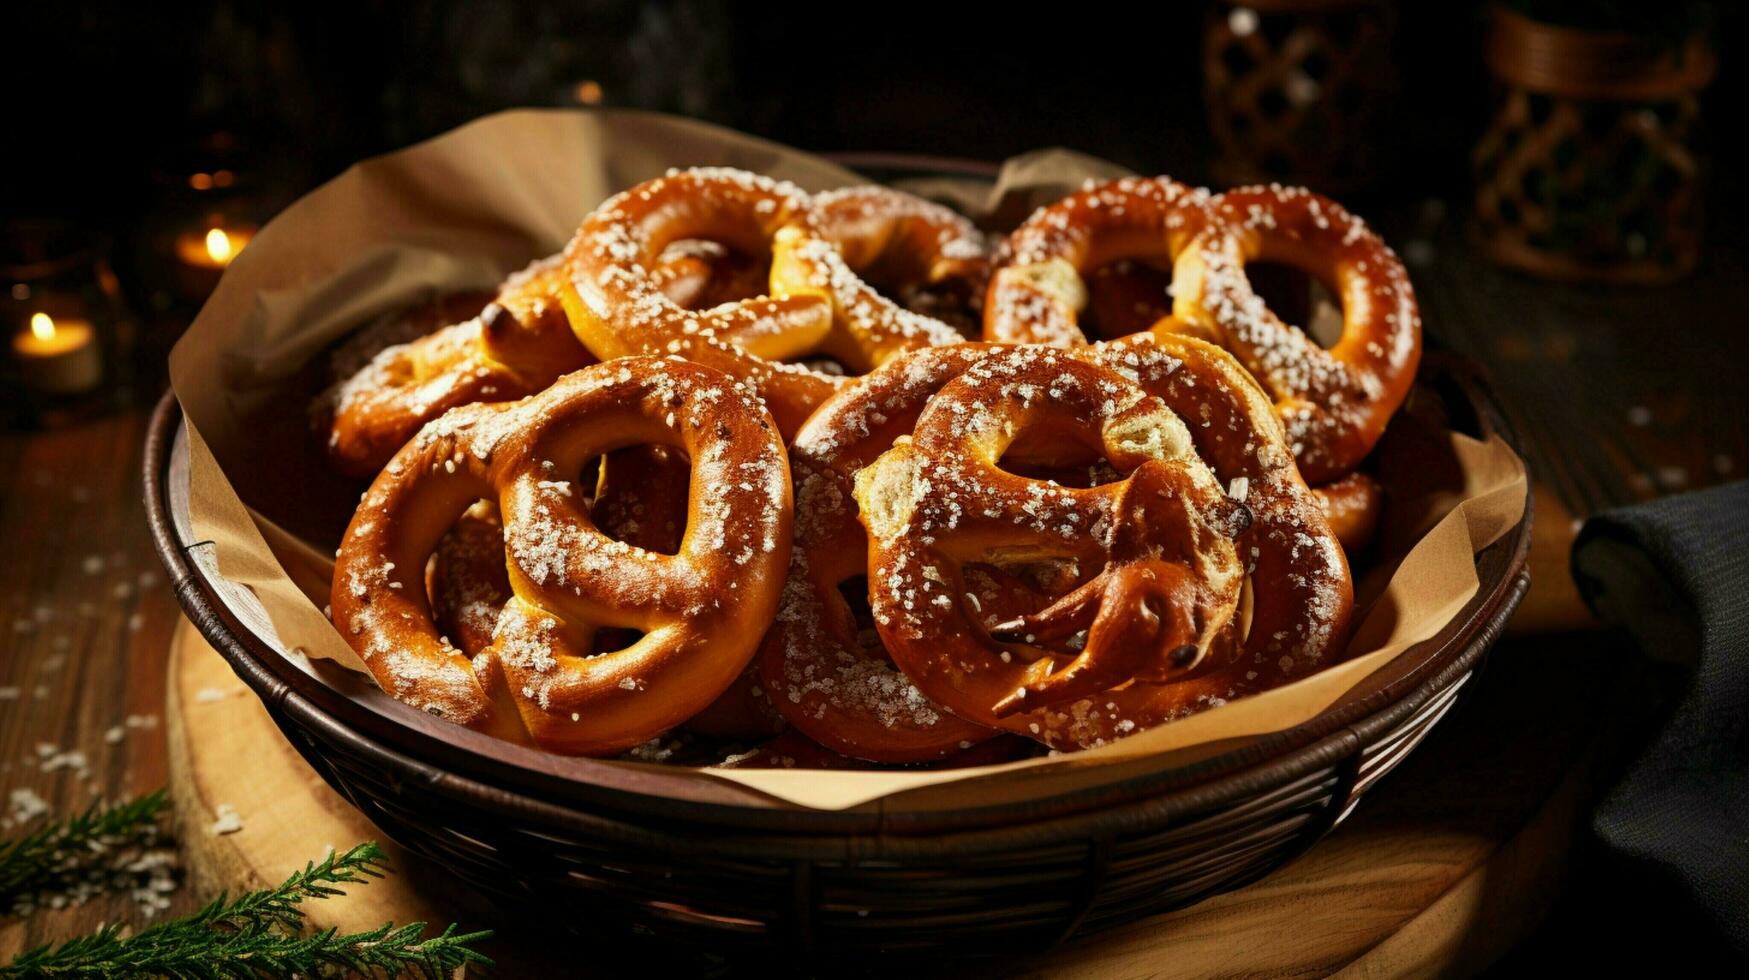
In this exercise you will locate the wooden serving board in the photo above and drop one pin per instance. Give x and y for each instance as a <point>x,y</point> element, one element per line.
<point>1440,869</point>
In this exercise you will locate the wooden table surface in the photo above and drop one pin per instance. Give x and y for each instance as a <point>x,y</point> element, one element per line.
<point>1616,391</point>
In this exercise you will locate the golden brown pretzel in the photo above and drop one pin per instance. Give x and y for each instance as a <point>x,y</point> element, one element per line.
<point>701,611</point>
<point>929,257</point>
<point>817,306</point>
<point>513,346</point>
<point>837,687</point>
<point>617,308</point>
<point>1039,288</point>
<point>1335,403</point>
<point>1157,624</point>
<point>640,498</point>
<point>518,344</point>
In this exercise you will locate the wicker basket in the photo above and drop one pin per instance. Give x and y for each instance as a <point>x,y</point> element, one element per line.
<point>1591,165</point>
<point>716,868</point>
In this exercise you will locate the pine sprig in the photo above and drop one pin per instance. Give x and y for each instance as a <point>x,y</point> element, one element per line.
<point>258,934</point>
<point>63,852</point>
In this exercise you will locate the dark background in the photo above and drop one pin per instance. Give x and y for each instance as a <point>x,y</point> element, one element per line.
<point>98,94</point>
<point>107,102</point>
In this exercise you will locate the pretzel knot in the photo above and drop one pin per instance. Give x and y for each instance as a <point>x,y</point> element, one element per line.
<point>1334,403</point>
<point>817,307</point>
<point>1154,616</point>
<point>700,611</point>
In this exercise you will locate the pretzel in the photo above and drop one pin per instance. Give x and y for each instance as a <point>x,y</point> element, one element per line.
<point>701,610</point>
<point>1039,287</point>
<point>835,686</point>
<point>640,498</point>
<point>1159,621</point>
<point>1333,403</point>
<point>817,305</point>
<point>514,347</point>
<point>926,254</point>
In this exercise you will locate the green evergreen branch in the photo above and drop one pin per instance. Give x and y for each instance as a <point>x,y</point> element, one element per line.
<point>258,934</point>
<point>57,854</point>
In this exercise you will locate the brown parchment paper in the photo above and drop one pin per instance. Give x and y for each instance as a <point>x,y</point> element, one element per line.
<point>465,209</point>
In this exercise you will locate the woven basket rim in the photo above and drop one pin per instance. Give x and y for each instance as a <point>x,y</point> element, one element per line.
<point>632,802</point>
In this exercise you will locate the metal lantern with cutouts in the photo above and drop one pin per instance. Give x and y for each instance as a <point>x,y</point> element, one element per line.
<point>1299,91</point>
<point>1590,167</point>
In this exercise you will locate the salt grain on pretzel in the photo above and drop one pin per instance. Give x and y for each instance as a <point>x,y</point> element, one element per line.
<point>701,611</point>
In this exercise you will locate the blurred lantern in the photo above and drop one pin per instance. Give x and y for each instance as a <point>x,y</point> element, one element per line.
<point>1299,91</point>
<point>1590,167</point>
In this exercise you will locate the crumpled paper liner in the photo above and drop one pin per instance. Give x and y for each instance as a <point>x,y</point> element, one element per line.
<point>465,209</point>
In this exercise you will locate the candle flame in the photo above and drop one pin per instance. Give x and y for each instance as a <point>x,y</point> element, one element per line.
<point>218,245</point>
<point>42,325</point>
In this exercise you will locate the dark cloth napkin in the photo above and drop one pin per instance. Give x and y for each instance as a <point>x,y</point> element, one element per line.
<point>1675,574</point>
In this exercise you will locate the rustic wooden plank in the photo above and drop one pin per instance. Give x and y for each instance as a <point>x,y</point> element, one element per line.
<point>85,623</point>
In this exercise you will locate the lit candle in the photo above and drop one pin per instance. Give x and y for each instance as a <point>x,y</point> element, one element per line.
<point>59,357</point>
<point>213,248</point>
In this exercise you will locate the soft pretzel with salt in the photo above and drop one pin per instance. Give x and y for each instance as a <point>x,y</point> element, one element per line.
<point>1206,572</point>
<point>700,611</point>
<point>1334,403</point>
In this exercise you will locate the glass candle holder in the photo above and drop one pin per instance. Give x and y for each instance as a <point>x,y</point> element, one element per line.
<point>211,202</point>
<point>68,333</point>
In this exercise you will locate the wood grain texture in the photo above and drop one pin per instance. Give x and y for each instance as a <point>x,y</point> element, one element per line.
<point>224,752</point>
<point>85,624</point>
